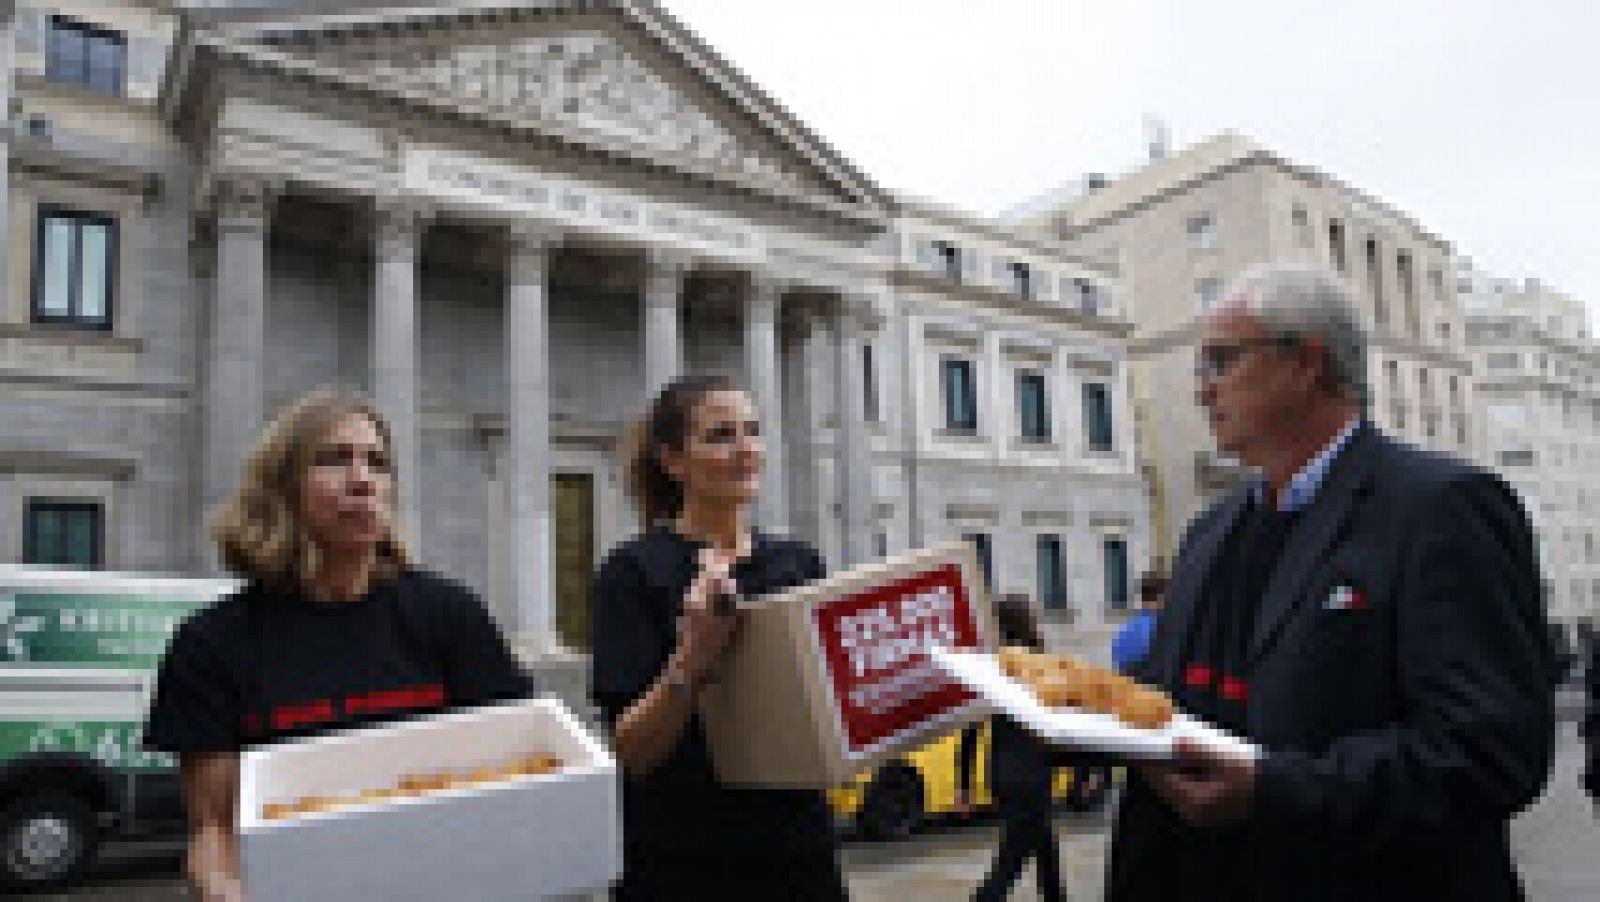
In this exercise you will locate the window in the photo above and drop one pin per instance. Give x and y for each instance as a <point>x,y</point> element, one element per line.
<point>1520,456</point>
<point>1087,295</point>
<point>880,544</point>
<point>63,533</point>
<point>1408,293</point>
<point>1097,416</point>
<point>980,544</point>
<point>1503,361</point>
<point>1202,230</point>
<point>74,269</point>
<point>1021,279</point>
<point>1052,573</point>
<point>949,259</point>
<point>869,383</point>
<point>1115,551</point>
<point>1302,226</point>
<point>1336,245</point>
<point>1375,281</point>
<point>1033,406</point>
<point>83,55</point>
<point>960,395</point>
<point>1209,292</point>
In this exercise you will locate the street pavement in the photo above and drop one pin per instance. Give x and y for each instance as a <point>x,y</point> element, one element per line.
<point>1557,845</point>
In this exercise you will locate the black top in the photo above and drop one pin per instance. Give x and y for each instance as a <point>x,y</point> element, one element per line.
<point>680,806</point>
<point>1398,683</point>
<point>268,663</point>
<point>1021,765</point>
<point>1215,677</point>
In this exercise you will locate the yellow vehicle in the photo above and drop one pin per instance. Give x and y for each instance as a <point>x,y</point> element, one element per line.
<point>893,800</point>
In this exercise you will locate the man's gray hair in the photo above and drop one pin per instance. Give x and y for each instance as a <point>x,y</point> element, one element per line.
<point>1295,303</point>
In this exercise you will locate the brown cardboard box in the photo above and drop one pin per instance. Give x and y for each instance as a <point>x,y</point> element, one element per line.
<point>828,679</point>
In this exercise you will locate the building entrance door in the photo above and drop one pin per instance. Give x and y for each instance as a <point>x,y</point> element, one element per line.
<point>572,497</point>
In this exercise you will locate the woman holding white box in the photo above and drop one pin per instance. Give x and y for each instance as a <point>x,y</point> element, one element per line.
<point>334,628</point>
<point>659,632</point>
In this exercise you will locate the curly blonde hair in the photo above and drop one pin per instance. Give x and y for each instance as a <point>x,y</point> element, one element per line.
<point>259,531</point>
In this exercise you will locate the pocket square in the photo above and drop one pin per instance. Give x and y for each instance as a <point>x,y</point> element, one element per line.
<point>1345,597</point>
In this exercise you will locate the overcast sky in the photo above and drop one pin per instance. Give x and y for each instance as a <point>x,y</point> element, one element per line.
<point>1481,119</point>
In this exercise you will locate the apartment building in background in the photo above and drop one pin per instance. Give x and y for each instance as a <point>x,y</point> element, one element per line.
<point>1537,367</point>
<point>1180,228</point>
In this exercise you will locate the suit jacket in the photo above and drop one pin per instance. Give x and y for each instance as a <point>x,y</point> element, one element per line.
<point>1398,674</point>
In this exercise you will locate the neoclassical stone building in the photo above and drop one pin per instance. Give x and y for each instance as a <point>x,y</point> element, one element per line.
<point>510,222</point>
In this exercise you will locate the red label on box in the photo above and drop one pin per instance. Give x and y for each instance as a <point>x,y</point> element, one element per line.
<point>874,645</point>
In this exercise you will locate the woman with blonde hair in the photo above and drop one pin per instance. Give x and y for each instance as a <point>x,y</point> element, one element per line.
<point>335,626</point>
<point>659,632</point>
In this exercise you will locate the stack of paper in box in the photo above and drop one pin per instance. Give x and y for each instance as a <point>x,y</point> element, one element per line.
<point>511,801</point>
<point>828,679</point>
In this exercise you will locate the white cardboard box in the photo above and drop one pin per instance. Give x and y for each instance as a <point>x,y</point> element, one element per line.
<point>531,837</point>
<point>828,679</point>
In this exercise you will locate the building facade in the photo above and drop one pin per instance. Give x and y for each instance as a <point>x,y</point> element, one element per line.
<point>1178,230</point>
<point>1537,370</point>
<point>1014,418</point>
<point>510,223</point>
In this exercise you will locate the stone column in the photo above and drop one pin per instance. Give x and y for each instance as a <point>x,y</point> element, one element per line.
<point>529,533</point>
<point>663,302</point>
<point>399,226</point>
<point>761,367</point>
<point>852,445</point>
<point>234,392</point>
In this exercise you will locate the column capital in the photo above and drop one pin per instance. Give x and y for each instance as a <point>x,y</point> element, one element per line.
<point>243,201</point>
<point>771,283</point>
<point>668,262</point>
<point>528,236</point>
<point>398,222</point>
<point>862,308</point>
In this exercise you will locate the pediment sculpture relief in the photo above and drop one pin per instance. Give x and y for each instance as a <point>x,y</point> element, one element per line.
<point>585,82</point>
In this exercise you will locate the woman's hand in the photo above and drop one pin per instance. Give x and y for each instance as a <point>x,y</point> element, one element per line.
<point>704,634</point>
<point>210,788</point>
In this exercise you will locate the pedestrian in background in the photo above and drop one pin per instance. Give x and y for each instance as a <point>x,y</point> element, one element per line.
<point>1132,644</point>
<point>1021,768</point>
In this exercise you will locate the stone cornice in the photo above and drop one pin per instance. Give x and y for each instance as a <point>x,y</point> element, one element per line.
<point>999,299</point>
<point>87,160</point>
<point>1258,156</point>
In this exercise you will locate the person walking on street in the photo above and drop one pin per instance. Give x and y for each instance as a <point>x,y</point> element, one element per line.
<point>1021,768</point>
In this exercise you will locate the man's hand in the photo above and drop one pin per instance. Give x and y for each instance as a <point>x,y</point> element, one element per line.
<point>1207,788</point>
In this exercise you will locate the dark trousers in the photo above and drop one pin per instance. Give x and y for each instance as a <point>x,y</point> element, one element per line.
<point>1026,831</point>
<point>809,875</point>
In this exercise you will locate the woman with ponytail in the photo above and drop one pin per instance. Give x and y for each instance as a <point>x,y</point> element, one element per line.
<point>660,630</point>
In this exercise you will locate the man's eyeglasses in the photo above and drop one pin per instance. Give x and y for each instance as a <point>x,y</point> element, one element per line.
<point>1214,361</point>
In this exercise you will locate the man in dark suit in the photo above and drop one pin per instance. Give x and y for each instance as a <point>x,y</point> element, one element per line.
<point>1367,613</point>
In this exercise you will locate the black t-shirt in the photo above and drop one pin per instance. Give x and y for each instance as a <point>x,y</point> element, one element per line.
<point>680,806</point>
<point>268,663</point>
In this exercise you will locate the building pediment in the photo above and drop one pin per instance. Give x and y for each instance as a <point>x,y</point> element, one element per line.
<point>621,78</point>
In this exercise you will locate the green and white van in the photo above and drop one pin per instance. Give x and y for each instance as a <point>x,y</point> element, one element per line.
<point>78,658</point>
